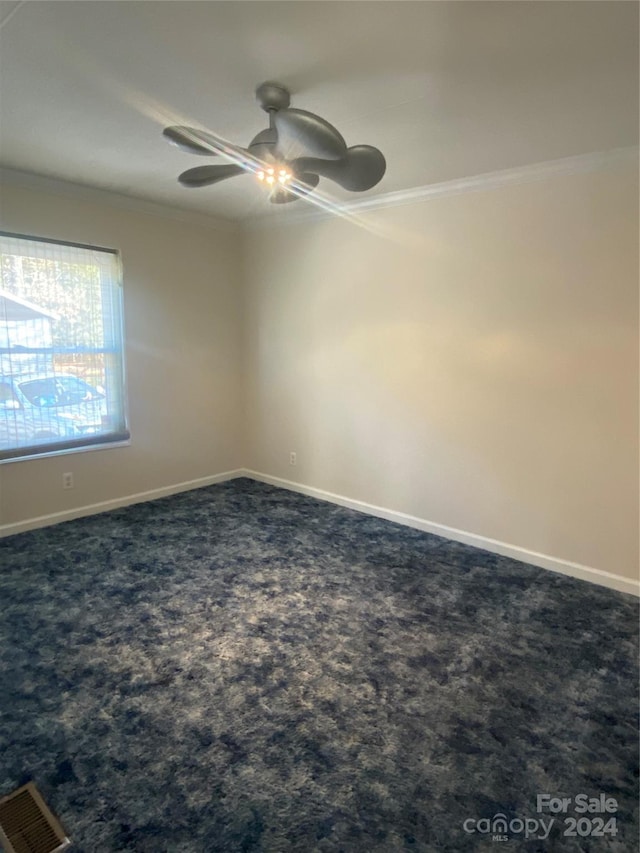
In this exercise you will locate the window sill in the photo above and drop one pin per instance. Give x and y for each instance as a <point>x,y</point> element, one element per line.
<point>46,454</point>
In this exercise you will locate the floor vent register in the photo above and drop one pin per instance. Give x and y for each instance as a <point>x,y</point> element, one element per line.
<point>27,825</point>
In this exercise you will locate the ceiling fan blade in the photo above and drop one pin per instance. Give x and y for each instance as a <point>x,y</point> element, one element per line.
<point>203,176</point>
<point>183,137</point>
<point>303,133</point>
<point>303,185</point>
<point>361,168</point>
<point>196,141</point>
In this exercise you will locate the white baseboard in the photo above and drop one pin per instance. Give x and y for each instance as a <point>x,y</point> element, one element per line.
<point>116,503</point>
<point>543,561</point>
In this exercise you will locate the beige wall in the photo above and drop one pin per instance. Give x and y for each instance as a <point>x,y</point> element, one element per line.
<point>182,316</point>
<point>477,367</point>
<point>472,362</point>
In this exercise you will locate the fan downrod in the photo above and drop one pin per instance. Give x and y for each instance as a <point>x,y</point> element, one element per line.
<point>273,97</point>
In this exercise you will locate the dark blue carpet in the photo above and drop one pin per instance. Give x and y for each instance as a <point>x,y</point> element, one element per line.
<point>241,668</point>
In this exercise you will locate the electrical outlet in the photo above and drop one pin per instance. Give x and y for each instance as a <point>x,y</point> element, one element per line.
<point>67,480</point>
<point>293,460</point>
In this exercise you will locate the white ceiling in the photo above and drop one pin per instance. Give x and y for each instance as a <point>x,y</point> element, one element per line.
<point>444,89</point>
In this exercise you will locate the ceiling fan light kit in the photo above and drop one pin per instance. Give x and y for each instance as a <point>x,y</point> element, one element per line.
<point>288,158</point>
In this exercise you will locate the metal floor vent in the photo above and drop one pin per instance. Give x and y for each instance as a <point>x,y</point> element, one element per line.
<point>27,825</point>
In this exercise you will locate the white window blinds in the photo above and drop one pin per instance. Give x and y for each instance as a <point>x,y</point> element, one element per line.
<point>62,383</point>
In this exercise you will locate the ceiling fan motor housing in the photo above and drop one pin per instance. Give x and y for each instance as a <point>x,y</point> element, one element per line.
<point>263,145</point>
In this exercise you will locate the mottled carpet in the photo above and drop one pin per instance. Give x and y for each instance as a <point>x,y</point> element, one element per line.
<point>242,668</point>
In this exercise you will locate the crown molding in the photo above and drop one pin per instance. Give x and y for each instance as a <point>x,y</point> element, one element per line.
<point>579,164</point>
<point>68,189</point>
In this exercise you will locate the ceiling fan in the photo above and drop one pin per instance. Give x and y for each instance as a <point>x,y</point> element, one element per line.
<point>289,157</point>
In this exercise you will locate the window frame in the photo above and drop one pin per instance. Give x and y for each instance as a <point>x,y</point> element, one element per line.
<point>83,443</point>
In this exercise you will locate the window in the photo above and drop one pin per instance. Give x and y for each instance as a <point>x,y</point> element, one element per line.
<point>61,347</point>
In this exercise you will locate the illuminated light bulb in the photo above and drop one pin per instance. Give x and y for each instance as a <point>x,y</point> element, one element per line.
<point>282,178</point>
<point>261,176</point>
<point>283,172</point>
<point>270,171</point>
<point>270,179</point>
